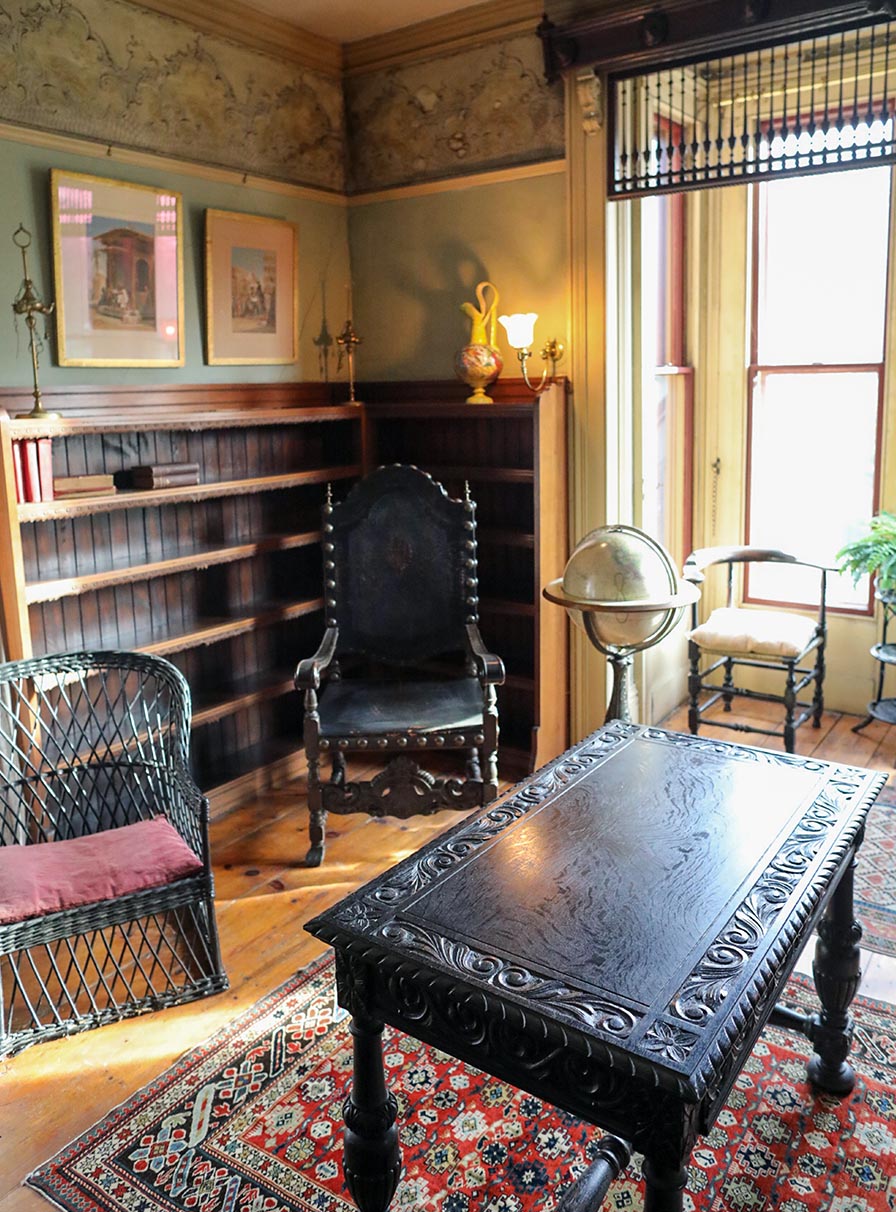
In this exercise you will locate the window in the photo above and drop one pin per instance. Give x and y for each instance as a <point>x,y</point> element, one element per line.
<point>816,375</point>
<point>667,384</point>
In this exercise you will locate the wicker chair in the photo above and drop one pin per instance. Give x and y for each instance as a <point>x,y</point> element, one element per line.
<point>105,883</point>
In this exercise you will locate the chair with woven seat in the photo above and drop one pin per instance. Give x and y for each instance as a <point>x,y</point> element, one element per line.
<point>745,638</point>
<point>402,669</point>
<point>106,904</point>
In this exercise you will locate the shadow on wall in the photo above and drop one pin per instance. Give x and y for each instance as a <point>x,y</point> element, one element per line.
<point>443,328</point>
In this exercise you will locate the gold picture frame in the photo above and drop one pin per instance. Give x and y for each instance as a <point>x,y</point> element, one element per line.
<point>251,289</point>
<point>118,272</point>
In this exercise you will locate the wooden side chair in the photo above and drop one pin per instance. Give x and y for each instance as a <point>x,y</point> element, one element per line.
<point>105,882</point>
<point>742,638</point>
<point>402,669</point>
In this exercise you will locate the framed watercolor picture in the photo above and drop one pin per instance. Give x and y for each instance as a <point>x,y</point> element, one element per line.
<point>251,289</point>
<point>118,270</point>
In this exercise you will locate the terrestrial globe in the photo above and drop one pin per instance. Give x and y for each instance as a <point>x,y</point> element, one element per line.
<point>621,587</point>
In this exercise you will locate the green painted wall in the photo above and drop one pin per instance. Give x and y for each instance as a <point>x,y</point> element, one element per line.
<point>25,196</point>
<point>416,259</point>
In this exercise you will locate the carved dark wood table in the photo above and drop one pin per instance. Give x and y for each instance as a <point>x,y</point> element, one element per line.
<point>611,936</point>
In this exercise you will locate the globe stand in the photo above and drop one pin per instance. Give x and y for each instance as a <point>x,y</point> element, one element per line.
<point>621,587</point>
<point>622,659</point>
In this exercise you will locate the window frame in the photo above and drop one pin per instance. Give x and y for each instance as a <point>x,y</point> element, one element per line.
<point>756,369</point>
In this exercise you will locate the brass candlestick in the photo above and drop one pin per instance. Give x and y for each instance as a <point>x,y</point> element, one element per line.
<point>347,340</point>
<point>27,303</point>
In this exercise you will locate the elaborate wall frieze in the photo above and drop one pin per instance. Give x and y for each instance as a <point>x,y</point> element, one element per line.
<point>118,74</point>
<point>481,108</point>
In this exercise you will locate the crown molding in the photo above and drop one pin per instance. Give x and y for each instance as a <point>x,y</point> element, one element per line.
<point>445,185</point>
<point>258,31</point>
<point>442,35</point>
<point>109,153</point>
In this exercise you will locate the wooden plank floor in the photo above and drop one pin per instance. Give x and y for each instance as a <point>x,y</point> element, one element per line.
<point>54,1091</point>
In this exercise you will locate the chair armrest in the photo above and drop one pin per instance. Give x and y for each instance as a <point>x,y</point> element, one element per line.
<point>308,672</point>
<point>489,668</point>
<point>186,808</point>
<point>705,557</point>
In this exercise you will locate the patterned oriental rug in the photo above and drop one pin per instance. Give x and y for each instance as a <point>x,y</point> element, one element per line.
<point>251,1122</point>
<point>876,877</point>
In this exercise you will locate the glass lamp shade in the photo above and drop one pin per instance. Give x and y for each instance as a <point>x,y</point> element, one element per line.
<point>520,328</point>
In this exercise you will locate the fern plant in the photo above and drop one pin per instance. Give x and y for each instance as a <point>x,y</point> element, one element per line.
<point>873,553</point>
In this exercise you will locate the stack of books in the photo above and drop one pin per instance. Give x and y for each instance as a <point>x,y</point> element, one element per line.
<point>158,475</point>
<point>83,486</point>
<point>32,460</point>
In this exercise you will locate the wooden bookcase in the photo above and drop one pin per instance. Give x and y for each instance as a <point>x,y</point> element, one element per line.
<point>513,455</point>
<point>223,578</point>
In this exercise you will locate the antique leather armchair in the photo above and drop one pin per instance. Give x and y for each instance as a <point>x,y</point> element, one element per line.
<point>402,668</point>
<point>745,638</point>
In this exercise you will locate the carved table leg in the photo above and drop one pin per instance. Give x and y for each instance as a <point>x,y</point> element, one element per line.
<point>371,1158</point>
<point>837,971</point>
<point>665,1187</point>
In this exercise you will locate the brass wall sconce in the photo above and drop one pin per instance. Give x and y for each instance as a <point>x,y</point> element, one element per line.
<point>520,329</point>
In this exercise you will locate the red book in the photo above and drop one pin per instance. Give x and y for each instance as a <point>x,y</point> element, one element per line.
<point>30,470</point>
<point>45,468</point>
<point>17,471</point>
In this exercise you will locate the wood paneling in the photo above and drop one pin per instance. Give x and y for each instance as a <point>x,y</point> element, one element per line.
<point>512,453</point>
<point>224,577</point>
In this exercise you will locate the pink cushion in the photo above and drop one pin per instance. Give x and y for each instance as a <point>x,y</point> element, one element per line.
<point>48,876</point>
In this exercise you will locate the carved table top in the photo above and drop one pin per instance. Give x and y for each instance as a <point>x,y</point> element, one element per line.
<point>638,902</point>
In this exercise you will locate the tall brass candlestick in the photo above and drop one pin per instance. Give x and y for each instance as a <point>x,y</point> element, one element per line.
<point>27,303</point>
<point>347,340</point>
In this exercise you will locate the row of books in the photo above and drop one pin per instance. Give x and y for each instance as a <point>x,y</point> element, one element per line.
<point>32,460</point>
<point>158,475</point>
<point>33,468</point>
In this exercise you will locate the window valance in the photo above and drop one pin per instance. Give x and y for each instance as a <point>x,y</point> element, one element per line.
<point>709,94</point>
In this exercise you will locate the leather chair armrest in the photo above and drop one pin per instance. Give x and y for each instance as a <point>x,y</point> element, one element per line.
<point>489,668</point>
<point>705,557</point>
<point>308,672</point>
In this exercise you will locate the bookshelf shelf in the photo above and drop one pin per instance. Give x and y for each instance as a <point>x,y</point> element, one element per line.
<point>222,577</point>
<point>205,557</point>
<point>42,511</point>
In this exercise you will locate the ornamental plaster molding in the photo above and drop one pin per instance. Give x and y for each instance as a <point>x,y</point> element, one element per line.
<point>107,71</point>
<point>479,109</point>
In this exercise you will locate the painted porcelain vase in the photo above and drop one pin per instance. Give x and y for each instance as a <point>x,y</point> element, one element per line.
<point>479,363</point>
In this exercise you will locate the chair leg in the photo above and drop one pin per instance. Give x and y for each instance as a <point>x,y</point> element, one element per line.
<point>337,773</point>
<point>317,822</point>
<point>728,685</point>
<point>317,816</point>
<point>818,696</point>
<point>474,770</point>
<point>694,688</point>
<point>490,746</point>
<point>790,708</point>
